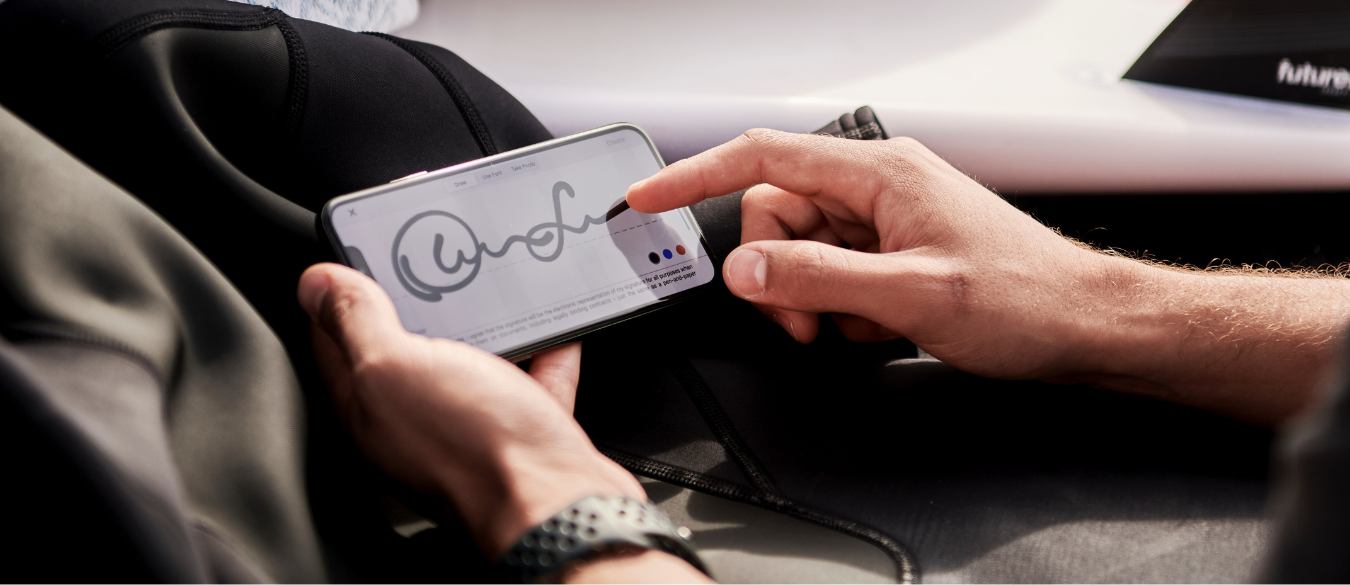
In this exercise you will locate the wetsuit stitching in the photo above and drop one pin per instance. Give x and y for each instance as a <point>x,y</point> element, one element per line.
<point>769,497</point>
<point>298,89</point>
<point>457,95</point>
<point>59,333</point>
<point>906,570</point>
<point>128,30</point>
<point>722,427</point>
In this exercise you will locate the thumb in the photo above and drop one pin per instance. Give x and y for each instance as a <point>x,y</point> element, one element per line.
<point>350,308</point>
<point>811,277</point>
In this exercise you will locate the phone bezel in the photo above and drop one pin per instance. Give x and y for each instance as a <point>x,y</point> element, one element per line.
<point>524,352</point>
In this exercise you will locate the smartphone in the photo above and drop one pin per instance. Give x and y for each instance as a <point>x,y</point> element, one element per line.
<point>526,249</point>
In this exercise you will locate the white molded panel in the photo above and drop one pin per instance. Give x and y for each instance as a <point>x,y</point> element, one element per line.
<point>1024,95</point>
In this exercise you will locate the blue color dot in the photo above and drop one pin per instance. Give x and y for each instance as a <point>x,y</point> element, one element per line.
<point>668,254</point>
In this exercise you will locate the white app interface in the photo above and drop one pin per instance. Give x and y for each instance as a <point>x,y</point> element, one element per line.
<point>527,248</point>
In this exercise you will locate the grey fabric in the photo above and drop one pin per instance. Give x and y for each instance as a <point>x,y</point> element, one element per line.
<point>741,543</point>
<point>154,360</point>
<point>114,402</point>
<point>980,480</point>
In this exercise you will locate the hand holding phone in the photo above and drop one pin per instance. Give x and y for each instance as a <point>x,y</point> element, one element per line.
<point>526,249</point>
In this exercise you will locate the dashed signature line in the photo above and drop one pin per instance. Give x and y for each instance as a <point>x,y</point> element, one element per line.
<point>581,243</point>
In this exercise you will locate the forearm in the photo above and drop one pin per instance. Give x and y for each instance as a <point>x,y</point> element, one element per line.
<point>1245,345</point>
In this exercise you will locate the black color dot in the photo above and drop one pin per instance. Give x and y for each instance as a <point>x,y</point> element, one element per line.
<point>654,258</point>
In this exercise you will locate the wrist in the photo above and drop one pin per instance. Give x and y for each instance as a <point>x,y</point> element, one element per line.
<point>1116,319</point>
<point>520,486</point>
<point>634,567</point>
<point>1247,345</point>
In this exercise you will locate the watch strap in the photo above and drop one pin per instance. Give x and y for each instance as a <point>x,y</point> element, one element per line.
<point>590,527</point>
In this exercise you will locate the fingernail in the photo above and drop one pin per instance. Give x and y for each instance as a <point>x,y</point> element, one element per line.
<point>637,185</point>
<point>745,272</point>
<point>313,288</point>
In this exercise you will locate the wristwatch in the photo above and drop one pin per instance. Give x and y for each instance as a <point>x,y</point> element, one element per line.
<point>591,527</point>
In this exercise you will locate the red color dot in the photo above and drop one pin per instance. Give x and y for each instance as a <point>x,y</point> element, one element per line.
<point>679,250</point>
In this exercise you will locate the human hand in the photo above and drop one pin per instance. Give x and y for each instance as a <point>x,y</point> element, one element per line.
<point>934,256</point>
<point>449,419</point>
<point>941,260</point>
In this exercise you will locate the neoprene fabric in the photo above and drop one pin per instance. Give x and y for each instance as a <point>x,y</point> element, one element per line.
<point>235,123</point>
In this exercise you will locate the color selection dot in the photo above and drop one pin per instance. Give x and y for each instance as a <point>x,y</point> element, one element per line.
<point>679,250</point>
<point>667,254</point>
<point>654,258</point>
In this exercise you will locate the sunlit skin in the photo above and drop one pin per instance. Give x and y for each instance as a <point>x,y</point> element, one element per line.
<point>939,259</point>
<point>889,240</point>
<point>452,420</point>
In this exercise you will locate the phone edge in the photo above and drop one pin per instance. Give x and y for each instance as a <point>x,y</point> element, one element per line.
<point>523,353</point>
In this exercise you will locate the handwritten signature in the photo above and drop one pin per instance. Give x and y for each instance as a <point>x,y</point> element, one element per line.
<point>539,236</point>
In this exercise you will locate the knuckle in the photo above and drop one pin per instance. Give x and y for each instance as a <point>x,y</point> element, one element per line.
<point>905,144</point>
<point>946,288</point>
<point>753,199</point>
<point>903,152</point>
<point>760,136</point>
<point>905,163</point>
<point>899,150</point>
<point>341,304</point>
<point>757,200</point>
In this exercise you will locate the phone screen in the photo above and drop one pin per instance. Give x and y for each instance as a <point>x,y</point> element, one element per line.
<point>523,248</point>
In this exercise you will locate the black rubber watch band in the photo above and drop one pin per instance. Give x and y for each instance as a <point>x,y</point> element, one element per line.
<point>593,526</point>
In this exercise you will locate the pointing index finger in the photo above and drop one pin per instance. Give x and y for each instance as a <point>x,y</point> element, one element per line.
<point>801,163</point>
